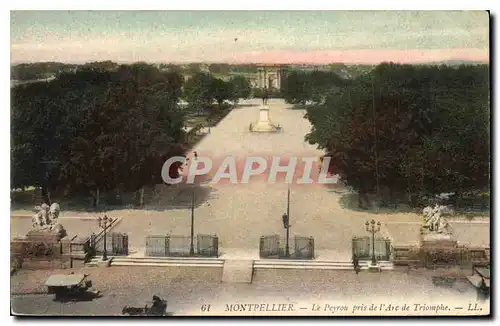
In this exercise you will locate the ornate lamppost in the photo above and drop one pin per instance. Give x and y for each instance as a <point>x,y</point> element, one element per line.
<point>191,248</point>
<point>105,223</point>
<point>286,225</point>
<point>373,227</point>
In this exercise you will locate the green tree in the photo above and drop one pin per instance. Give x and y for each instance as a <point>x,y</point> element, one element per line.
<point>404,128</point>
<point>220,90</point>
<point>105,128</point>
<point>198,91</point>
<point>240,88</point>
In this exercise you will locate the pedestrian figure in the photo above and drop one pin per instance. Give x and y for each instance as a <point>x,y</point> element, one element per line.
<point>195,155</point>
<point>355,262</point>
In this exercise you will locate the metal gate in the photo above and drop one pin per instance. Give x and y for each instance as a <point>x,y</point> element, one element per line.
<point>207,245</point>
<point>362,248</point>
<point>116,244</point>
<point>179,245</point>
<point>274,246</point>
<point>269,246</point>
<point>304,247</point>
<point>157,245</point>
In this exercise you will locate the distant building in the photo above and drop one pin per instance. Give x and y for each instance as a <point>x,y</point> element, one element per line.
<point>269,76</point>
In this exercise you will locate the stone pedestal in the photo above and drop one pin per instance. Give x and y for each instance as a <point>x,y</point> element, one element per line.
<point>103,263</point>
<point>43,236</point>
<point>438,241</point>
<point>264,124</point>
<point>438,249</point>
<point>374,268</point>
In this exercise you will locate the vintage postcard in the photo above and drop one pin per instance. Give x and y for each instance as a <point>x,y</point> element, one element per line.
<point>250,163</point>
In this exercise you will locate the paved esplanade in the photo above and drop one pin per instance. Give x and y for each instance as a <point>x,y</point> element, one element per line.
<point>244,212</point>
<point>240,214</point>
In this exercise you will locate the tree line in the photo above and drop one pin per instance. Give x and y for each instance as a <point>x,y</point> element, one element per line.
<point>97,129</point>
<point>42,70</point>
<point>402,131</point>
<point>301,87</point>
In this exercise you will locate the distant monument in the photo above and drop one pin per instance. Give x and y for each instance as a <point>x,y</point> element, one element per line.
<point>45,222</point>
<point>264,124</point>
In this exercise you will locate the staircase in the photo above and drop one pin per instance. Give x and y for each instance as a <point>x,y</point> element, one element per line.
<point>237,271</point>
<point>313,264</point>
<point>161,262</point>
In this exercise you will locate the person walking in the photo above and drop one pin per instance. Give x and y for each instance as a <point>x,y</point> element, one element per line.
<point>355,263</point>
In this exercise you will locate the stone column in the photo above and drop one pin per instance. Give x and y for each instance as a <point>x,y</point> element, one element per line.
<point>278,78</point>
<point>265,79</point>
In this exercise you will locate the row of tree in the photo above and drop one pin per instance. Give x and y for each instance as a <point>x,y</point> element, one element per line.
<point>301,87</point>
<point>42,70</point>
<point>405,131</point>
<point>202,89</point>
<point>98,129</point>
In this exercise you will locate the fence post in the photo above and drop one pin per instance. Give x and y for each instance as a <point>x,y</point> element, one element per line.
<point>165,252</point>
<point>261,247</point>
<point>216,246</point>
<point>126,243</point>
<point>312,247</point>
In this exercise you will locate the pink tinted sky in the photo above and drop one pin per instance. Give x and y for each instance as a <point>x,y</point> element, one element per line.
<point>317,37</point>
<point>363,56</point>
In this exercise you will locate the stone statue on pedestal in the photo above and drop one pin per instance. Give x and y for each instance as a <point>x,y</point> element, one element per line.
<point>434,219</point>
<point>47,219</point>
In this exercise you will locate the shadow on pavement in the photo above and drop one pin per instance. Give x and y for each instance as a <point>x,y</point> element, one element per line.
<point>241,106</point>
<point>162,198</point>
<point>82,297</point>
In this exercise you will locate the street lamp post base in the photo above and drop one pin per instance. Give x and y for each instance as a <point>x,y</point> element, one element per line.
<point>104,263</point>
<point>374,268</point>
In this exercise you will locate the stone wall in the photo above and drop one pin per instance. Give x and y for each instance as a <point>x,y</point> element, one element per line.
<point>432,256</point>
<point>62,262</point>
<point>37,251</point>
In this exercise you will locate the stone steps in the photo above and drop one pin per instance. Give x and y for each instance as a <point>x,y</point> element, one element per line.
<point>325,265</point>
<point>163,262</point>
<point>237,271</point>
<point>241,268</point>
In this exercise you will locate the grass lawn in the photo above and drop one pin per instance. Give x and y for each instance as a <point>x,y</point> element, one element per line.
<point>193,121</point>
